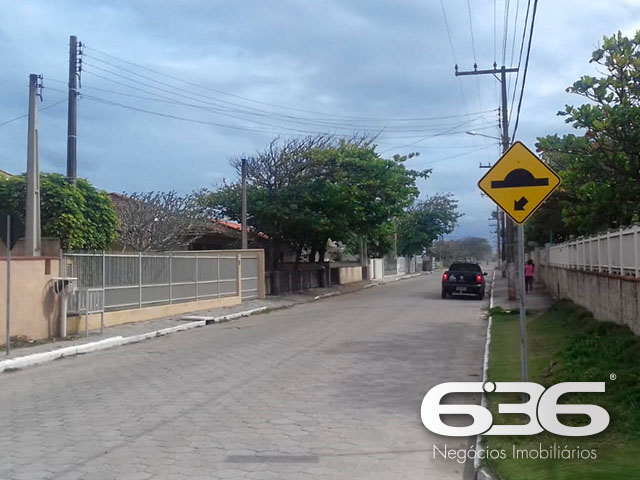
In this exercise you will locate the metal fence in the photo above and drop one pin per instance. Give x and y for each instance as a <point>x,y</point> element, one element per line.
<point>136,280</point>
<point>615,251</point>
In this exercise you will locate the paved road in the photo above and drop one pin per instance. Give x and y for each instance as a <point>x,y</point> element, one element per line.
<point>330,389</point>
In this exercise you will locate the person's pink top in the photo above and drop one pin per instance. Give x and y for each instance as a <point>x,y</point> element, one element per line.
<point>529,270</point>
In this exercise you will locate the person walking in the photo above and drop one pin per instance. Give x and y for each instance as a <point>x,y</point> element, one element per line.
<point>529,272</point>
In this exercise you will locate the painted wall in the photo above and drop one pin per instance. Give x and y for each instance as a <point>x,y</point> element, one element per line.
<point>349,275</point>
<point>612,298</point>
<point>34,306</point>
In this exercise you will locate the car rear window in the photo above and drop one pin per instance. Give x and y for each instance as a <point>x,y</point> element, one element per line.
<point>465,267</point>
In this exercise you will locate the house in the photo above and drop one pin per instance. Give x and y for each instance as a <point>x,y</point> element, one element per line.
<point>226,235</point>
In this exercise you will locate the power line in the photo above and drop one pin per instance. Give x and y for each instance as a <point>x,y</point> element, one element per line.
<point>473,41</point>
<point>453,53</point>
<point>513,43</point>
<point>221,125</point>
<point>476,150</point>
<point>524,34</point>
<point>220,92</point>
<point>450,130</point>
<point>132,84</point>
<point>6,122</point>
<point>473,49</point>
<point>505,31</point>
<point>446,24</point>
<point>418,128</point>
<point>526,66</point>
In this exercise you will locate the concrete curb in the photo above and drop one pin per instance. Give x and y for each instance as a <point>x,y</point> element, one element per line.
<point>485,473</point>
<point>196,322</point>
<point>224,318</point>
<point>483,400</point>
<point>46,357</point>
<point>327,295</point>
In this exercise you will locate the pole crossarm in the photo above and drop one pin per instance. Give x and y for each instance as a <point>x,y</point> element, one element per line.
<point>486,72</point>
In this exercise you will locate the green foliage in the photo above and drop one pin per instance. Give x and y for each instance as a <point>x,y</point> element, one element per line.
<point>600,168</point>
<point>425,221</point>
<point>472,249</point>
<point>81,216</point>
<point>303,192</point>
<point>582,349</point>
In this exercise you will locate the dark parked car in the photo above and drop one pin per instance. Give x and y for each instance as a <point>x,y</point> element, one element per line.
<point>463,278</point>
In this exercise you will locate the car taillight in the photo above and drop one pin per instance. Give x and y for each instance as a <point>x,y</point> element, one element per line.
<point>478,278</point>
<point>445,276</point>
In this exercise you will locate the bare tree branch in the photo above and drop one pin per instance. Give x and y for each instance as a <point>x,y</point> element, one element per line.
<point>159,220</point>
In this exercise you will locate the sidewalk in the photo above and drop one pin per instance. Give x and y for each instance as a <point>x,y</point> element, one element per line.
<point>131,332</point>
<point>539,299</point>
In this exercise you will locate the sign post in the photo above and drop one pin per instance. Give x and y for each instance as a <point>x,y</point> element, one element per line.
<point>519,183</point>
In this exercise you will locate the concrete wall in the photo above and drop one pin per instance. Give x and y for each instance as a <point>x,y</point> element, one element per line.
<point>376,268</point>
<point>76,324</point>
<point>34,306</point>
<point>609,297</point>
<point>349,275</point>
<point>35,309</point>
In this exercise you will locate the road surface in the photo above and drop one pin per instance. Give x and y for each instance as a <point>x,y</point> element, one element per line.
<point>330,389</point>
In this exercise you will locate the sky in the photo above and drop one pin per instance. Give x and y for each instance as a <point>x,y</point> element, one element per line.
<point>172,90</point>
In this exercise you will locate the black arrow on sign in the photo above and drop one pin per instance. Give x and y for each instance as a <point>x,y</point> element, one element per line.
<point>519,204</point>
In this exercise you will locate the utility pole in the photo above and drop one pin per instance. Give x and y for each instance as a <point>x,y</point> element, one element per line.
<point>497,219</point>
<point>499,236</point>
<point>72,118</point>
<point>509,227</point>
<point>32,233</point>
<point>244,204</point>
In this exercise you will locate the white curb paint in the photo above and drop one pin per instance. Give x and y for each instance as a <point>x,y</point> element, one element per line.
<point>196,318</point>
<point>485,373</point>
<point>45,357</point>
<point>326,295</point>
<point>232,316</point>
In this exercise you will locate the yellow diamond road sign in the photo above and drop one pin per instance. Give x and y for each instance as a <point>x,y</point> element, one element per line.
<point>519,182</point>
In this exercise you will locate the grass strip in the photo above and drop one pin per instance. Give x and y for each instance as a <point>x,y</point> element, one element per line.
<point>566,344</point>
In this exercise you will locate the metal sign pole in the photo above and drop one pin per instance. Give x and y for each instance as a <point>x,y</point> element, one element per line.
<point>523,312</point>
<point>8,319</point>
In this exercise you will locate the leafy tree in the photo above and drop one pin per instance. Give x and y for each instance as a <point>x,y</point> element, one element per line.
<point>601,167</point>
<point>473,249</point>
<point>81,216</point>
<point>303,192</point>
<point>425,221</point>
<point>159,220</point>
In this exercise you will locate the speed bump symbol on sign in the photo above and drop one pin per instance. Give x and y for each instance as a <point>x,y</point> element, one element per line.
<point>519,182</point>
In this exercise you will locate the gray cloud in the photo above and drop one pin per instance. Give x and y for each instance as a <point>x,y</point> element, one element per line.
<point>374,60</point>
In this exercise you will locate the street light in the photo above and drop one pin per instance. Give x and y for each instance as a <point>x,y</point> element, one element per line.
<point>483,135</point>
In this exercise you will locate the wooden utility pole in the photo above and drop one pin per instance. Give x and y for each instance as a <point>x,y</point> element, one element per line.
<point>510,228</point>
<point>244,204</point>
<point>72,120</point>
<point>32,233</point>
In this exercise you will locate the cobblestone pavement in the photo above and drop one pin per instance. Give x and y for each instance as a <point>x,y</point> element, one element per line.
<point>329,389</point>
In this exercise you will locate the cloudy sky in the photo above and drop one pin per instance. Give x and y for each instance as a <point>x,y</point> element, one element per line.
<point>172,89</point>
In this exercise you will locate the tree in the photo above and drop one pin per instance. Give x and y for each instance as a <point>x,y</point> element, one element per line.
<point>159,220</point>
<point>425,221</point>
<point>303,192</point>
<point>601,167</point>
<point>474,249</point>
<point>81,216</point>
